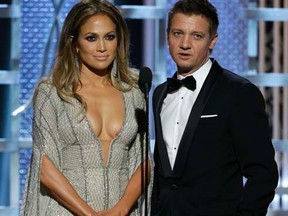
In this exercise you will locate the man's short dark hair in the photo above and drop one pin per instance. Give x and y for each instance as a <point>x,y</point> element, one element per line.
<point>196,7</point>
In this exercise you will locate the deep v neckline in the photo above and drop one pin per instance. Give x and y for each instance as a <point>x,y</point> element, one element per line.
<point>98,141</point>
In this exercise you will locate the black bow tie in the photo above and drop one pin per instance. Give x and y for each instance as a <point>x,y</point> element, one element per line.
<point>174,84</point>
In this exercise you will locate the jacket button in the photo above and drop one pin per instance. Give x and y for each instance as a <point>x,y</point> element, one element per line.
<point>174,187</point>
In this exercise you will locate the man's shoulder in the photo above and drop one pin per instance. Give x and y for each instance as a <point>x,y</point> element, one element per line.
<point>234,78</point>
<point>238,84</point>
<point>159,88</point>
<point>226,74</point>
<point>161,85</point>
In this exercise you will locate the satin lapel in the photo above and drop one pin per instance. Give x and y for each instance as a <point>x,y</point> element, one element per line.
<point>186,140</point>
<point>161,147</point>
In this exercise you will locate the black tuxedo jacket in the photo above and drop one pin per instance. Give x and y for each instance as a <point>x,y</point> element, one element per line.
<point>216,152</point>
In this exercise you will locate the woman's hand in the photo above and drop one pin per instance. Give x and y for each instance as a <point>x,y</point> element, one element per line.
<point>115,211</point>
<point>110,213</point>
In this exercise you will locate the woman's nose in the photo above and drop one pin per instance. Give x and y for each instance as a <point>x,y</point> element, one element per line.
<point>101,46</point>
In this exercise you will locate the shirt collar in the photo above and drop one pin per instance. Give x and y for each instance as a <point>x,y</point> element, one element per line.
<point>200,74</point>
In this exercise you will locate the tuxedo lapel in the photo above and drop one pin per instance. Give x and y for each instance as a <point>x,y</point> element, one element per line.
<point>195,114</point>
<point>161,146</point>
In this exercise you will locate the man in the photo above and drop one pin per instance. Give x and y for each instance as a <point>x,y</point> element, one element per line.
<point>213,153</point>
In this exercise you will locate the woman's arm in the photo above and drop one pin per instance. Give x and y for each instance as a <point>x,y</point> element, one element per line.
<point>62,190</point>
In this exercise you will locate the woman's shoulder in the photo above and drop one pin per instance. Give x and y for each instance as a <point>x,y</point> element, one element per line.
<point>137,96</point>
<point>45,84</point>
<point>134,71</point>
<point>45,89</point>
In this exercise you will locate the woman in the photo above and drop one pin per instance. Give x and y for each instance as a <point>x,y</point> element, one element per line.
<point>87,136</point>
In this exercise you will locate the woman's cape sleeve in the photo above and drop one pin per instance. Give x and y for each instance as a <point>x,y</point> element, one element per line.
<point>45,136</point>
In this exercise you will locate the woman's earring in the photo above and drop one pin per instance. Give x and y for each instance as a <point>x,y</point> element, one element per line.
<point>115,72</point>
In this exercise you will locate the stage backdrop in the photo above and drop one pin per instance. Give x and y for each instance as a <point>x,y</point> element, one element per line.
<point>41,22</point>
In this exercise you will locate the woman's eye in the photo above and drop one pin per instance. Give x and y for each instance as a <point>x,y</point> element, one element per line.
<point>90,38</point>
<point>110,37</point>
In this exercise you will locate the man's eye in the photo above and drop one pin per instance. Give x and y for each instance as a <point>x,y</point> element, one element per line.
<point>176,33</point>
<point>197,36</point>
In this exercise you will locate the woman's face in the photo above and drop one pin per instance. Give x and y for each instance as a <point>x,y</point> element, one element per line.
<point>97,43</point>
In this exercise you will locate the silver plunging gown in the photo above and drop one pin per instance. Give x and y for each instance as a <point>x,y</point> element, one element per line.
<point>62,132</point>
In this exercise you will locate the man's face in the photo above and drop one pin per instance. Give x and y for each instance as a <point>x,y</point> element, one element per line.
<point>189,42</point>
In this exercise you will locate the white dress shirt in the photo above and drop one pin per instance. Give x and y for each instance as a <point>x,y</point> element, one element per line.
<point>176,109</point>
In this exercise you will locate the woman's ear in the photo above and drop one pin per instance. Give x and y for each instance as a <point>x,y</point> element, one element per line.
<point>71,38</point>
<point>76,48</point>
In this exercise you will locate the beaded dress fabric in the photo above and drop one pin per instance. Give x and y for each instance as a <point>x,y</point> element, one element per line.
<point>62,132</point>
